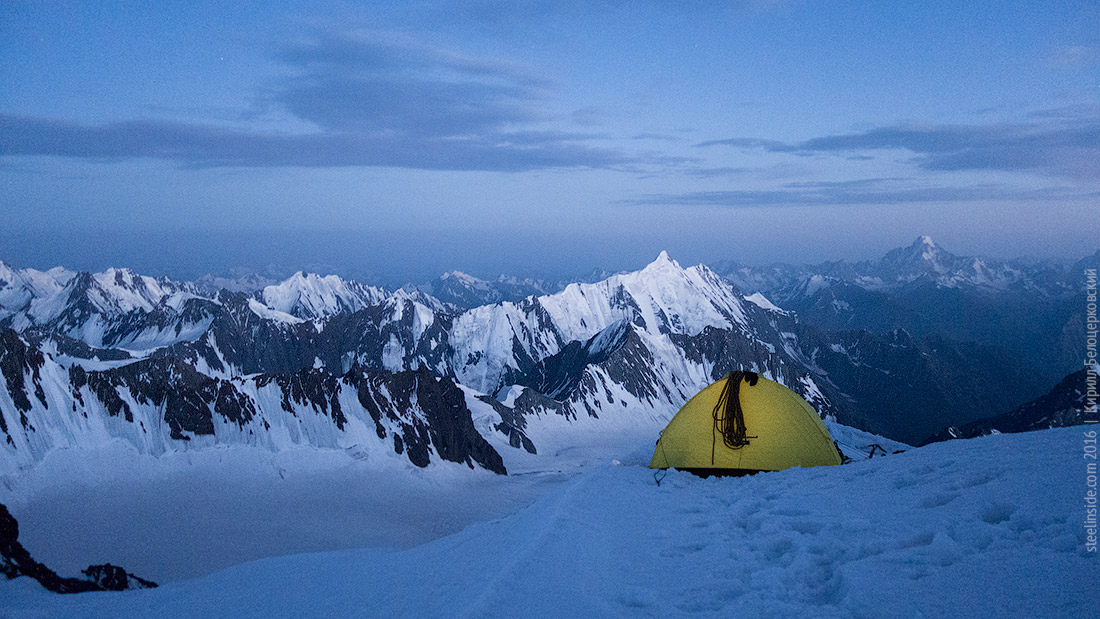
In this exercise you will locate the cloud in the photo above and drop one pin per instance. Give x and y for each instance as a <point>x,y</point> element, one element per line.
<point>773,146</point>
<point>205,146</point>
<point>717,172</point>
<point>1056,145</point>
<point>878,191</point>
<point>1072,56</point>
<point>374,99</point>
<point>372,82</point>
<point>659,137</point>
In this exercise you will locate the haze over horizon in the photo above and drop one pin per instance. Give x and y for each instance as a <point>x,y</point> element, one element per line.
<point>395,141</point>
<point>171,267</point>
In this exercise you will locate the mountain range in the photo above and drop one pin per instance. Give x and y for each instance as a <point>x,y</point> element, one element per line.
<point>406,375</point>
<point>1033,310</point>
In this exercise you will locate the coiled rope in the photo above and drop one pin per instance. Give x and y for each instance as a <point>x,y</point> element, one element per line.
<point>729,419</point>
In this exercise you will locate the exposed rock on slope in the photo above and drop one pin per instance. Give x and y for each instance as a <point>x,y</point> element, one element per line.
<point>15,561</point>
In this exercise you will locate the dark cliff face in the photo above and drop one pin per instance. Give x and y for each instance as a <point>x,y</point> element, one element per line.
<point>430,412</point>
<point>74,347</point>
<point>17,362</point>
<point>445,427</point>
<point>190,398</point>
<point>252,345</point>
<point>512,424</point>
<point>122,328</point>
<point>558,374</point>
<point>568,383</point>
<point>906,388</point>
<point>1026,324</point>
<point>1063,406</point>
<point>15,561</point>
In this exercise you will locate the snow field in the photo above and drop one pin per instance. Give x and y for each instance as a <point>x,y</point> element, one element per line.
<point>187,514</point>
<point>988,527</point>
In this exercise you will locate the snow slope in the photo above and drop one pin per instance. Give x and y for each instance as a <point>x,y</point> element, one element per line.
<point>311,296</point>
<point>663,297</point>
<point>204,511</point>
<point>987,527</point>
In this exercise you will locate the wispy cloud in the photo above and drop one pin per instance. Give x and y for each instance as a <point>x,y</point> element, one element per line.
<point>366,81</point>
<point>1066,146</point>
<point>206,146</point>
<point>1072,56</point>
<point>717,172</point>
<point>659,137</point>
<point>375,99</point>
<point>884,191</point>
<point>774,146</point>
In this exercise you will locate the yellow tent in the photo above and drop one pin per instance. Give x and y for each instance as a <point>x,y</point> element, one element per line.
<point>744,423</point>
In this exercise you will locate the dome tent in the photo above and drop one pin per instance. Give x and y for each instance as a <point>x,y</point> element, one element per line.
<point>744,423</point>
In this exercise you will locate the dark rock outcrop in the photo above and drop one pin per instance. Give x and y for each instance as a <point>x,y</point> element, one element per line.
<point>443,425</point>
<point>15,561</point>
<point>186,394</point>
<point>17,361</point>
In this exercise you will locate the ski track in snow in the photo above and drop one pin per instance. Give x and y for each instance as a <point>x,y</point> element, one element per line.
<point>987,527</point>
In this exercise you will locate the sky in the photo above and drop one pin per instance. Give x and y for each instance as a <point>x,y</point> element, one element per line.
<point>392,141</point>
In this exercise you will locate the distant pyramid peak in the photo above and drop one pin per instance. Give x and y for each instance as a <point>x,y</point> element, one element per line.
<point>663,259</point>
<point>922,256</point>
<point>924,249</point>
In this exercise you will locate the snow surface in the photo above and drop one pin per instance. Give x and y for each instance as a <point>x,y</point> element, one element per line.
<point>661,299</point>
<point>761,301</point>
<point>467,280</point>
<point>987,527</point>
<point>206,511</point>
<point>267,313</point>
<point>311,296</point>
<point>19,287</point>
<point>680,300</point>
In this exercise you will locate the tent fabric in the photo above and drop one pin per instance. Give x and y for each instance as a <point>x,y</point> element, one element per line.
<point>783,430</point>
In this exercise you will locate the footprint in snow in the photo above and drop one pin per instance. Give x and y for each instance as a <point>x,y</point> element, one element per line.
<point>997,513</point>
<point>938,499</point>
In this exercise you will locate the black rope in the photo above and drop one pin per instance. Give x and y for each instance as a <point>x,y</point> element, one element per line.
<point>729,419</point>
<point>844,459</point>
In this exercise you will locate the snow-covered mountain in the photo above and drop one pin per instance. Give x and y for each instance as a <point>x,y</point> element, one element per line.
<point>113,309</point>
<point>255,368</point>
<point>464,291</point>
<point>312,297</point>
<point>326,362</point>
<point>1029,309</point>
<point>923,261</point>
<point>19,287</point>
<point>162,403</point>
<point>237,281</point>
